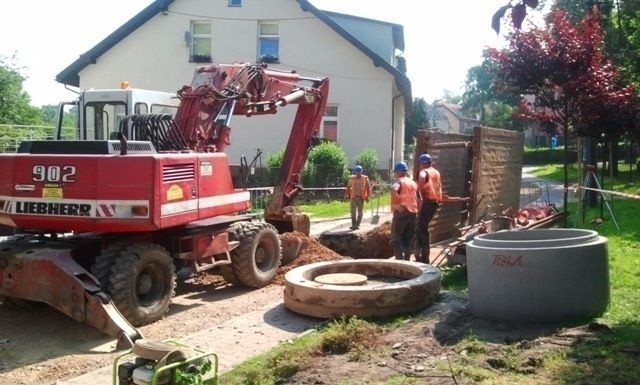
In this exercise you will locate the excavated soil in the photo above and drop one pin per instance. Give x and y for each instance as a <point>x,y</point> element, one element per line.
<point>310,252</point>
<point>361,244</point>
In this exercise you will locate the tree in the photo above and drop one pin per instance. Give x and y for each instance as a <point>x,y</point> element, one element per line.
<point>518,13</point>
<point>14,101</point>
<point>481,99</point>
<point>576,88</point>
<point>415,121</point>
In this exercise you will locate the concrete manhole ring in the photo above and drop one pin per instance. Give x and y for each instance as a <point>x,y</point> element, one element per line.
<point>392,287</point>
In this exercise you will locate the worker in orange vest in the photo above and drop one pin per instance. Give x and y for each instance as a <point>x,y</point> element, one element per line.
<point>358,191</point>
<point>430,197</point>
<point>430,194</point>
<point>404,205</point>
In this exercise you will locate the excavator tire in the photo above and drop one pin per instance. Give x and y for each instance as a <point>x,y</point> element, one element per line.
<point>256,261</point>
<point>142,282</point>
<point>229,276</point>
<point>101,267</point>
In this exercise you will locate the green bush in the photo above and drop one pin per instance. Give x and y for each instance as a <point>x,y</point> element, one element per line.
<point>274,162</point>
<point>544,156</point>
<point>326,166</point>
<point>368,159</point>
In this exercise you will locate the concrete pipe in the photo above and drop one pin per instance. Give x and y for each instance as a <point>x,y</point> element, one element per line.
<point>392,287</point>
<point>542,275</point>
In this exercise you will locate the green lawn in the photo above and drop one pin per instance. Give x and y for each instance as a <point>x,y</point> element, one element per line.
<point>338,209</point>
<point>613,357</point>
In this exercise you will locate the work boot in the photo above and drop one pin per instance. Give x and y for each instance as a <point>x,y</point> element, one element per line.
<point>398,254</point>
<point>422,255</point>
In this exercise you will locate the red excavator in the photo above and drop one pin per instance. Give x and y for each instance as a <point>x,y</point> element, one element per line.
<point>103,225</point>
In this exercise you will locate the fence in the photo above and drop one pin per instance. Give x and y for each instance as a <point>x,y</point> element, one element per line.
<point>11,135</point>
<point>260,195</point>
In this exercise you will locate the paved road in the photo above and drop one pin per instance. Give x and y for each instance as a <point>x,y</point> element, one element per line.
<point>541,191</point>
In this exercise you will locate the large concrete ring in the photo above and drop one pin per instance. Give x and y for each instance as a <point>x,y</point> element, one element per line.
<point>418,288</point>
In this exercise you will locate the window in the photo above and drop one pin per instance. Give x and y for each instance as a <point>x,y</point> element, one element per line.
<point>268,43</point>
<point>141,108</point>
<point>330,124</point>
<point>200,42</point>
<point>102,120</point>
<point>163,109</point>
<point>235,3</point>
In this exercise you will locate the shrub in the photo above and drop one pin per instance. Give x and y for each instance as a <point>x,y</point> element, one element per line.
<point>368,159</point>
<point>274,162</point>
<point>326,166</point>
<point>543,156</point>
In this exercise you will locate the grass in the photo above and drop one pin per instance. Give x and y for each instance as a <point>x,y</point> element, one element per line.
<point>628,180</point>
<point>613,357</point>
<point>340,208</point>
<point>347,335</point>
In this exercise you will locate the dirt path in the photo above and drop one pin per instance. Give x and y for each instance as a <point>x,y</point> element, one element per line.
<point>41,345</point>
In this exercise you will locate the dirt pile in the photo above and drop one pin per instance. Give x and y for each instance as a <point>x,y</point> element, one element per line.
<point>311,251</point>
<point>359,244</point>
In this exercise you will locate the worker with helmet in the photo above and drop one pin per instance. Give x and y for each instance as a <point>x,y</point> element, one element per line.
<point>358,191</point>
<point>430,197</point>
<point>404,206</point>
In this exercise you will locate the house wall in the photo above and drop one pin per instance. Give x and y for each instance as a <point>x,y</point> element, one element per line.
<point>155,56</point>
<point>377,36</point>
<point>446,120</point>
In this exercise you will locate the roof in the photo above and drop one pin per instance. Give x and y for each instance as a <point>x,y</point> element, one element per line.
<point>70,75</point>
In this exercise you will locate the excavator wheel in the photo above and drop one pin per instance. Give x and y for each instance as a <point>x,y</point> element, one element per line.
<point>226,271</point>
<point>101,267</point>
<point>256,260</point>
<point>142,282</point>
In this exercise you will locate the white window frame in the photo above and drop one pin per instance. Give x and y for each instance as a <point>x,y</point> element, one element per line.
<point>331,118</point>
<point>194,36</point>
<point>274,37</point>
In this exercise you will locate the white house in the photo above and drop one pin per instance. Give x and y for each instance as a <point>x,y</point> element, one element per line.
<point>160,47</point>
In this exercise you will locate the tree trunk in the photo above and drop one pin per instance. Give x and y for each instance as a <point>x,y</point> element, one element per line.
<point>565,154</point>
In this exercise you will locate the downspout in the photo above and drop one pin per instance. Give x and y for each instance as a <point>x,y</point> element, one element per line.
<point>393,133</point>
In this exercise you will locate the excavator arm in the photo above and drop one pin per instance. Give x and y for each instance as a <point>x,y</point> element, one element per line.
<point>220,91</point>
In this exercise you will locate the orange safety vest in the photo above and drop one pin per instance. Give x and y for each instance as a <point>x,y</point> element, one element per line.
<point>407,196</point>
<point>432,188</point>
<point>363,182</point>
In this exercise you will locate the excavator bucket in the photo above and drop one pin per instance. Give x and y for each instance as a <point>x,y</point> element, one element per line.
<point>50,275</point>
<point>290,222</point>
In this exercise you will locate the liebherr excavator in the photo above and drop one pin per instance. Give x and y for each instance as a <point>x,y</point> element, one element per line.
<point>103,225</point>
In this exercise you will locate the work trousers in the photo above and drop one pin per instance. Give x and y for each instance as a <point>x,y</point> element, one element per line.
<point>427,212</point>
<point>357,205</point>
<point>403,227</point>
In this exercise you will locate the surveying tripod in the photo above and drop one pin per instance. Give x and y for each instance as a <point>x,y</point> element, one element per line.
<point>589,175</point>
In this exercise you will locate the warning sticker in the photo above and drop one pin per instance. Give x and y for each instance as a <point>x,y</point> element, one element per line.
<point>174,192</point>
<point>52,191</point>
<point>206,168</point>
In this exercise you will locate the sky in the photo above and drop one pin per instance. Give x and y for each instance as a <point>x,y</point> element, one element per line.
<point>443,38</point>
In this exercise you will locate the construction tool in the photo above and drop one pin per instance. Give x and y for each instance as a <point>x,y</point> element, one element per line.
<point>376,218</point>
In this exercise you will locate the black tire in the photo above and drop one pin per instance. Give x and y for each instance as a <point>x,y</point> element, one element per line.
<point>142,282</point>
<point>226,271</point>
<point>101,267</point>
<point>256,260</point>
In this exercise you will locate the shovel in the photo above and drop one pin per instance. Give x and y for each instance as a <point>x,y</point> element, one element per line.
<point>375,218</point>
